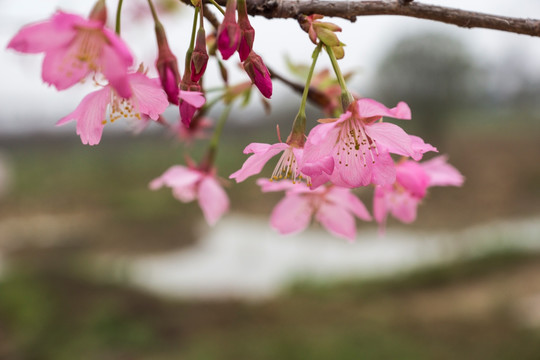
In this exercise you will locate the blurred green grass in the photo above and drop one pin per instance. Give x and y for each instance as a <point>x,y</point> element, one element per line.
<point>50,313</point>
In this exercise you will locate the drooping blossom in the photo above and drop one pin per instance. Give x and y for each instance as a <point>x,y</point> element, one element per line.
<point>359,146</point>
<point>287,166</point>
<point>75,47</point>
<point>258,73</point>
<point>401,199</point>
<point>228,35</point>
<point>147,100</point>
<point>332,206</point>
<point>190,183</point>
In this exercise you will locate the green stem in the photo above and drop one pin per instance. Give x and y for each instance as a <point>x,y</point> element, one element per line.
<point>153,10</point>
<point>314,56</point>
<point>118,12</point>
<point>299,125</point>
<point>192,42</point>
<point>346,97</point>
<point>213,145</point>
<point>218,6</point>
<point>213,102</point>
<point>219,127</point>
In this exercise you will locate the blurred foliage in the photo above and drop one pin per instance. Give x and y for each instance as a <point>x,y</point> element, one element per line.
<point>54,313</point>
<point>434,74</point>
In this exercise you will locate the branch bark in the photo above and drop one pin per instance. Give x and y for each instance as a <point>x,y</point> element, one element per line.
<point>350,10</point>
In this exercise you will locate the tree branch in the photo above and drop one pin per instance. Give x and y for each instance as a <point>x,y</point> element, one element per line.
<point>351,9</point>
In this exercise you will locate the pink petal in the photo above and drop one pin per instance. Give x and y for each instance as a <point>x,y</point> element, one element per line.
<point>273,186</point>
<point>392,138</point>
<point>90,115</point>
<point>344,198</point>
<point>177,176</point>
<point>119,46</point>
<point>41,37</point>
<point>420,147</point>
<point>380,203</point>
<point>114,66</point>
<point>380,206</point>
<point>194,98</point>
<point>383,171</point>
<point>317,160</point>
<point>441,173</point>
<point>368,108</point>
<point>212,199</point>
<point>412,176</point>
<point>404,207</point>
<point>254,164</point>
<point>291,215</point>
<point>61,69</point>
<point>337,220</point>
<point>148,95</point>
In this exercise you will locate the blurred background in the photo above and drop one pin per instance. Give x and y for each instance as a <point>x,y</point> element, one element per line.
<point>93,265</point>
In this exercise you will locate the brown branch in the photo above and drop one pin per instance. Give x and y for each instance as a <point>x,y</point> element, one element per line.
<point>351,9</point>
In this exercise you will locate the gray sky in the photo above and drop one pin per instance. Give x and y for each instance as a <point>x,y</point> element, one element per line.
<point>26,103</point>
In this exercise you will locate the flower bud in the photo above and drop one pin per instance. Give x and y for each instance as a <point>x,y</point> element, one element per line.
<point>228,37</point>
<point>99,12</point>
<point>167,66</point>
<point>247,32</point>
<point>199,57</point>
<point>257,71</point>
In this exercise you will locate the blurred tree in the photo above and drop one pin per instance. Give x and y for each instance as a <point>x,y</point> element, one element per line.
<point>434,74</point>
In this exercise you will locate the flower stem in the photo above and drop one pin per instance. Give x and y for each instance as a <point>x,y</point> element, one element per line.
<point>346,97</point>
<point>192,42</point>
<point>212,147</point>
<point>218,6</point>
<point>299,125</point>
<point>153,10</point>
<point>118,12</point>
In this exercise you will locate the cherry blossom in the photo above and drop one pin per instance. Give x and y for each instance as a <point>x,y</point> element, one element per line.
<point>332,206</point>
<point>190,183</point>
<point>401,199</point>
<point>148,100</point>
<point>359,146</point>
<point>75,47</point>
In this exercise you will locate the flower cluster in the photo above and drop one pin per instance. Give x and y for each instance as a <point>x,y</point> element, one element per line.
<point>318,172</point>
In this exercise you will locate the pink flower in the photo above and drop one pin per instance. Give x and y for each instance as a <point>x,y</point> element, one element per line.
<point>189,184</point>
<point>148,99</point>
<point>360,146</point>
<point>228,36</point>
<point>258,73</point>
<point>75,47</point>
<point>401,199</point>
<point>334,207</point>
<point>190,102</point>
<point>287,166</point>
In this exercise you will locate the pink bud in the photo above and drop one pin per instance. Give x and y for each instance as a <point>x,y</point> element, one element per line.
<point>247,31</point>
<point>257,71</point>
<point>167,66</point>
<point>228,37</point>
<point>199,57</point>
